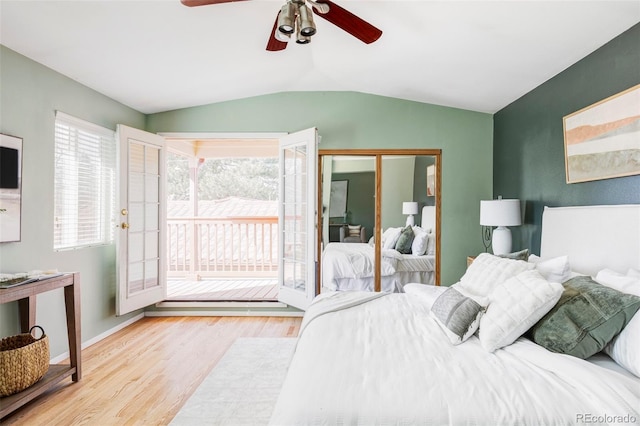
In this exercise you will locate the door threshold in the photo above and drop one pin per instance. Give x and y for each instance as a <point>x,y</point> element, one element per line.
<point>220,304</point>
<point>222,309</point>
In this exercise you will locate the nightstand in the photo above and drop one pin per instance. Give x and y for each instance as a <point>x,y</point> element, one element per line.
<point>470,260</point>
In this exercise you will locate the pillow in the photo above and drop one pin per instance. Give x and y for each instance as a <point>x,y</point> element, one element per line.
<point>516,305</point>
<point>556,269</point>
<point>457,315</point>
<point>617,281</point>
<point>354,230</point>
<point>427,293</point>
<point>624,349</point>
<point>431,244</point>
<point>390,237</point>
<point>419,245</point>
<point>518,255</point>
<point>488,271</point>
<point>585,319</point>
<point>403,245</point>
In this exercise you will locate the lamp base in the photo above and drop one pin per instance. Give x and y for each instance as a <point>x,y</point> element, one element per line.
<point>501,241</point>
<point>410,220</point>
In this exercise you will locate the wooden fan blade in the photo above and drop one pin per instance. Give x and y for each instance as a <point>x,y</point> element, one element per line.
<point>349,22</point>
<point>193,3</point>
<point>274,45</point>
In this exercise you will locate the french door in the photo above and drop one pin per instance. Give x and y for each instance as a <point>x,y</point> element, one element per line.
<point>297,221</point>
<point>141,239</point>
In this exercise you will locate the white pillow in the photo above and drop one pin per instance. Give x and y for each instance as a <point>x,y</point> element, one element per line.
<point>431,244</point>
<point>427,293</point>
<point>624,349</point>
<point>419,245</point>
<point>390,237</point>
<point>488,271</point>
<point>516,305</point>
<point>556,269</point>
<point>617,281</point>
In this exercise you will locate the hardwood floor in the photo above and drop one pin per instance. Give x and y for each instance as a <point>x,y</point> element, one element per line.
<point>146,372</point>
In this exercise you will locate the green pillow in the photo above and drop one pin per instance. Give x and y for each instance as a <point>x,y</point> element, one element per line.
<point>403,245</point>
<point>585,319</point>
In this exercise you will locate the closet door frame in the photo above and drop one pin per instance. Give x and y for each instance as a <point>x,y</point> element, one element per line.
<point>378,154</point>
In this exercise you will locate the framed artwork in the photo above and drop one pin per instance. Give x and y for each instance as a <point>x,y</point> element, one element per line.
<point>338,198</point>
<point>10,188</point>
<point>431,181</point>
<point>602,141</point>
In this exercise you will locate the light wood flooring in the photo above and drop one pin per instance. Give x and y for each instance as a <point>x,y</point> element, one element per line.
<point>235,289</point>
<point>146,372</point>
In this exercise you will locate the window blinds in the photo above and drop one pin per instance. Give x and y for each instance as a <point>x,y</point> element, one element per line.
<point>84,183</point>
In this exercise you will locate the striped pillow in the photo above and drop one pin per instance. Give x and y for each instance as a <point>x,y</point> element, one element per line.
<point>354,230</point>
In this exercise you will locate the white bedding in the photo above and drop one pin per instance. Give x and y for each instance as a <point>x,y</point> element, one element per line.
<point>435,383</point>
<point>350,266</point>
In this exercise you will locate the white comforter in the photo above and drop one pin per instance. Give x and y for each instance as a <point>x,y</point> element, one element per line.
<point>387,362</point>
<point>356,260</point>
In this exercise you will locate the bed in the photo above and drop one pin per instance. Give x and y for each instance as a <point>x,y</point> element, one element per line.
<point>350,267</point>
<point>375,358</point>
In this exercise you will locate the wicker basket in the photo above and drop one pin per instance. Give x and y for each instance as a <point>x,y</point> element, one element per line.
<point>23,361</point>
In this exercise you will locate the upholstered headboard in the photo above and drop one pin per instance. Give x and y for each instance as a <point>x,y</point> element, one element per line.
<point>429,218</point>
<point>594,237</point>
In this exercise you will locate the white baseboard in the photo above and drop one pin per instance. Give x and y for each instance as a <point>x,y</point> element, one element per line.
<point>99,337</point>
<point>215,313</point>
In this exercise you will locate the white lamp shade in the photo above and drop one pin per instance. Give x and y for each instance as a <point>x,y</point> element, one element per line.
<point>500,213</point>
<point>409,207</point>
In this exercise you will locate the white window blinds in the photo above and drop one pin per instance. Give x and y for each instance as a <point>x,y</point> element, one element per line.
<point>84,183</point>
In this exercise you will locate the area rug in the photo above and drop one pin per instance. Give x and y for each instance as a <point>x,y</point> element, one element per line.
<point>243,388</point>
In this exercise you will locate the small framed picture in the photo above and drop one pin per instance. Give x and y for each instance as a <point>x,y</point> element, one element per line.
<point>431,181</point>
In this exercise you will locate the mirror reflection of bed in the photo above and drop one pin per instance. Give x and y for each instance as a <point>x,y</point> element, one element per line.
<point>372,188</point>
<point>350,266</point>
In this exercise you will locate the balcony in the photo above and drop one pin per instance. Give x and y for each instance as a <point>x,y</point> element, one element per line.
<point>222,247</point>
<point>230,258</point>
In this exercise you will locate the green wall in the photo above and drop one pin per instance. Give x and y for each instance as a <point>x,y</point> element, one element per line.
<point>361,201</point>
<point>348,120</point>
<point>529,145</point>
<point>30,96</point>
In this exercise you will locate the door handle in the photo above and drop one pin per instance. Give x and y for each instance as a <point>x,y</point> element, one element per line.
<point>124,225</point>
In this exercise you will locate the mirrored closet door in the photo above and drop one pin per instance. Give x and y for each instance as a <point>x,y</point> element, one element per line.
<point>370,196</point>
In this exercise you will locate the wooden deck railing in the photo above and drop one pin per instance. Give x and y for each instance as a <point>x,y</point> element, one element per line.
<point>233,246</point>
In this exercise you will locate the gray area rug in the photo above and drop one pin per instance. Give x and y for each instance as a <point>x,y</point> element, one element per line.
<point>243,387</point>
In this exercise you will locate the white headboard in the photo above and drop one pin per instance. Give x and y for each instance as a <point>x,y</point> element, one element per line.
<point>594,237</point>
<point>429,218</point>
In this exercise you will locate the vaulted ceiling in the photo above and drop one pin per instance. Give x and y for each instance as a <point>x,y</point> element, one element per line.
<point>158,55</point>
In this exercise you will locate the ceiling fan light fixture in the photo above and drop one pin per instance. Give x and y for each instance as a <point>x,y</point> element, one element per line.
<point>306,24</point>
<point>280,36</point>
<point>301,39</point>
<point>286,18</point>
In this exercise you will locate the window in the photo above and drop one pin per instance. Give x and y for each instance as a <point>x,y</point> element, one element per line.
<point>84,184</point>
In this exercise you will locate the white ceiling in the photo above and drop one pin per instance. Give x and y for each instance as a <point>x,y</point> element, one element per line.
<point>157,55</point>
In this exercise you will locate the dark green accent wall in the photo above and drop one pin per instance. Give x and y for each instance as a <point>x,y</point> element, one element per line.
<point>528,145</point>
<point>360,198</point>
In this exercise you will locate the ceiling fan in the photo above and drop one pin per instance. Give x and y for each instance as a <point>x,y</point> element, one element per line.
<point>296,18</point>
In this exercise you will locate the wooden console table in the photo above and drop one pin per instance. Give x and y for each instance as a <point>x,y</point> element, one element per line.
<point>26,297</point>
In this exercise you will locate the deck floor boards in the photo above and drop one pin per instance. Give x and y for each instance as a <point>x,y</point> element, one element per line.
<point>228,289</point>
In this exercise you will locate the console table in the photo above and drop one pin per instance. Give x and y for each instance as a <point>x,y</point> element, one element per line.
<point>26,296</point>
